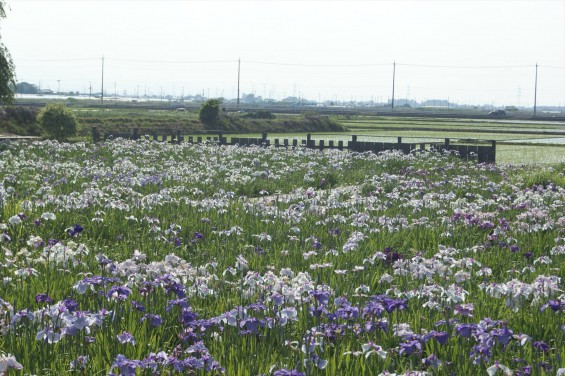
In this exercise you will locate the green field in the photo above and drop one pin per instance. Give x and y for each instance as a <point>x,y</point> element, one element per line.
<point>517,141</point>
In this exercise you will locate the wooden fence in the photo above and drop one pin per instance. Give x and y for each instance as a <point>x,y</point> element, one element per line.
<point>484,151</point>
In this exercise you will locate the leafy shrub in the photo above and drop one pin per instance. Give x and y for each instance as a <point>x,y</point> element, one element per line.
<point>210,112</point>
<point>58,121</point>
<point>20,120</point>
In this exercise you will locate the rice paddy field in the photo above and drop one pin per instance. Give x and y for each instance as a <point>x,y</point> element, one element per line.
<point>518,141</point>
<point>147,258</point>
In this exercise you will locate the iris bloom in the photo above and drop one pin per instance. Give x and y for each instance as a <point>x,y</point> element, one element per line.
<point>8,361</point>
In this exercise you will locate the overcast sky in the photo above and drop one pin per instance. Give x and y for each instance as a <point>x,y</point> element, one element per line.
<point>471,52</point>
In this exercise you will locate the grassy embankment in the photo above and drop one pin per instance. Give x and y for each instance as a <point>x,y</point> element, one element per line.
<point>21,121</point>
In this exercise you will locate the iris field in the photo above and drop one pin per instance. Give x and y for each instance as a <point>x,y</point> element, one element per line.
<point>146,258</point>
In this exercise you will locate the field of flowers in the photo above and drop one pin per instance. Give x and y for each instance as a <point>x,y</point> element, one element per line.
<point>145,258</point>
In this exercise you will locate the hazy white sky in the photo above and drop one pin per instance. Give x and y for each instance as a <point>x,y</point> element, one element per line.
<point>466,51</point>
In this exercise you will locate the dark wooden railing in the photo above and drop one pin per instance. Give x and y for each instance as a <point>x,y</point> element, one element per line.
<point>484,151</point>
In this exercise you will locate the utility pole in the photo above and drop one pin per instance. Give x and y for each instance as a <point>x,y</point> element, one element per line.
<point>536,91</point>
<point>393,77</point>
<point>238,76</point>
<point>89,89</point>
<point>102,95</point>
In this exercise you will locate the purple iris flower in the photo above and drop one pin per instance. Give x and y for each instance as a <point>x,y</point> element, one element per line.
<point>541,346</point>
<point>394,304</point>
<point>441,337</point>
<point>465,330</point>
<point>88,340</point>
<point>465,310</point>
<point>410,347</point>
<point>183,303</point>
<point>75,230</point>
<point>373,309</point>
<point>154,320</point>
<point>321,296</point>
<point>432,361</point>
<point>503,335</point>
<point>43,298</point>
<point>70,304</point>
<point>118,292</point>
<point>140,307</point>
<point>127,367</point>
<point>251,324</point>
<point>126,337</point>
<point>277,299</point>
<point>525,371</point>
<point>555,305</point>
<point>188,316</point>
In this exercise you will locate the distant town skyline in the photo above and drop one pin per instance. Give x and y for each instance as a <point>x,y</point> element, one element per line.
<point>467,52</point>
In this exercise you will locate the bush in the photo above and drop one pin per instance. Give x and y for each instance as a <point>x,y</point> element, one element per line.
<point>19,120</point>
<point>58,121</point>
<point>210,112</point>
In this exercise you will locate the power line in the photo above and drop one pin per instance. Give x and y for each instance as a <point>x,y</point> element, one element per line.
<point>551,66</point>
<point>297,64</point>
<point>59,60</point>
<point>316,65</point>
<point>466,66</point>
<point>176,61</point>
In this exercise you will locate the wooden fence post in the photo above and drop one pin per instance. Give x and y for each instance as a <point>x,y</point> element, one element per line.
<point>95,135</point>
<point>309,142</point>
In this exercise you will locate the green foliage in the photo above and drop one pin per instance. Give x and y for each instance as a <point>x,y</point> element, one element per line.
<point>210,112</point>
<point>58,121</point>
<point>20,120</point>
<point>26,88</point>
<point>7,76</point>
<point>546,177</point>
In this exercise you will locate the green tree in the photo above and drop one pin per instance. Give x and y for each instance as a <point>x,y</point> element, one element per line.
<point>210,112</point>
<point>26,88</point>
<point>7,77</point>
<point>58,121</point>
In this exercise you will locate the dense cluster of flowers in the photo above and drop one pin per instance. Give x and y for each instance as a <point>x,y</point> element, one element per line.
<point>225,260</point>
